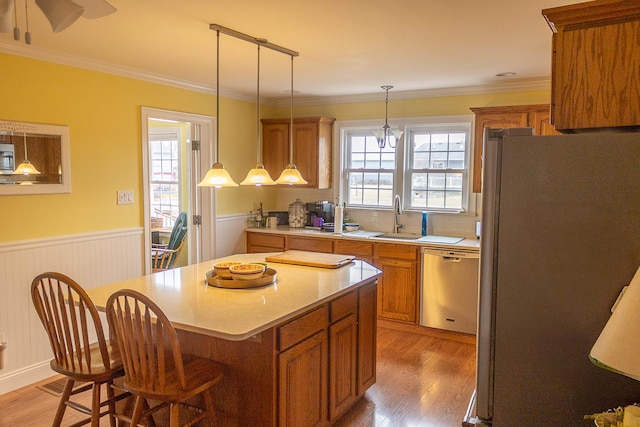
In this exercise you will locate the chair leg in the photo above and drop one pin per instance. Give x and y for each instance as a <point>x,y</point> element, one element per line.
<point>140,404</point>
<point>211,407</point>
<point>68,386</point>
<point>174,415</point>
<point>112,403</point>
<point>95,405</point>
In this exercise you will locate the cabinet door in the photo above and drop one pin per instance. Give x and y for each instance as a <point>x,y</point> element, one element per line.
<point>302,383</point>
<point>343,342</point>
<point>275,147</point>
<point>367,337</point>
<point>305,137</point>
<point>540,121</point>
<point>397,290</point>
<point>491,118</point>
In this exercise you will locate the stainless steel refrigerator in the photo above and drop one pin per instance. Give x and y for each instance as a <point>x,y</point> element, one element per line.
<point>560,239</point>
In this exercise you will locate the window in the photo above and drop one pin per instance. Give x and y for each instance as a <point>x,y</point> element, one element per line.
<point>429,167</point>
<point>370,171</point>
<point>165,174</point>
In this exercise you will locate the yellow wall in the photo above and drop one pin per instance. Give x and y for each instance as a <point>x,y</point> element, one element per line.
<point>103,115</point>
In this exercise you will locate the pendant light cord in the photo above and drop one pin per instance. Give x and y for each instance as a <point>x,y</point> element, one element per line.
<point>218,97</point>
<point>291,124</point>
<point>259,154</point>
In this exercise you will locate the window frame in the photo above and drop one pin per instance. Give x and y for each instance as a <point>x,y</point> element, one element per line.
<point>401,183</point>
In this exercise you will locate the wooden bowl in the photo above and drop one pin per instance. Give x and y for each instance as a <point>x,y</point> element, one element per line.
<point>222,268</point>
<point>246,271</point>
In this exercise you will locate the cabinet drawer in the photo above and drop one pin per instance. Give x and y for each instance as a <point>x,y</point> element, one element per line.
<point>348,247</point>
<point>390,250</point>
<point>313,244</point>
<point>302,327</point>
<point>274,241</point>
<point>343,306</point>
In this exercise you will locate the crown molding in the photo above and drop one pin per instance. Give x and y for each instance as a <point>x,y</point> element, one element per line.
<point>34,52</point>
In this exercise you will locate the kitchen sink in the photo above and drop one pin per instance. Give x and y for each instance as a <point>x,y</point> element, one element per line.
<point>399,236</point>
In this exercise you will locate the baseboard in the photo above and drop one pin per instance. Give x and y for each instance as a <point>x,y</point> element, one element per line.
<point>423,330</point>
<point>24,377</point>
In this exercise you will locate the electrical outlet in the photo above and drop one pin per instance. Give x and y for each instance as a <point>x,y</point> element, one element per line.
<point>125,197</point>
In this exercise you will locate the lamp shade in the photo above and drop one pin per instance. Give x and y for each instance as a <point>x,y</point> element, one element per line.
<point>618,346</point>
<point>217,177</point>
<point>26,168</point>
<point>291,176</point>
<point>258,176</point>
<point>60,13</point>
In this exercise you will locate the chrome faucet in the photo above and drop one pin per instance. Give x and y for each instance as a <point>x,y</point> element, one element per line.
<point>397,211</point>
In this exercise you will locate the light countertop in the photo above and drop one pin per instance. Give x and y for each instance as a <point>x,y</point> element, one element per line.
<point>465,244</point>
<point>238,314</point>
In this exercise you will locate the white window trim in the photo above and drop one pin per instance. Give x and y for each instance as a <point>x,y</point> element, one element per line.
<point>339,158</point>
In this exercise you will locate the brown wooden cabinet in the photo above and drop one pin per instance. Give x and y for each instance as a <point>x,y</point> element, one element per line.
<point>312,138</point>
<point>326,359</point>
<point>595,66</point>
<point>398,285</point>
<point>534,116</point>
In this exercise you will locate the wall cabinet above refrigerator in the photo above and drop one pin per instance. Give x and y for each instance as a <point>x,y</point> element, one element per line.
<point>595,65</point>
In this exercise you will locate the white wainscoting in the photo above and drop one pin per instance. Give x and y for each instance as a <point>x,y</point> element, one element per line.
<point>91,259</point>
<point>230,237</point>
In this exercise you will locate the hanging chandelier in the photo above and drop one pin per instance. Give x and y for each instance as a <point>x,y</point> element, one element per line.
<point>386,135</point>
<point>26,168</point>
<point>291,175</point>
<point>217,176</point>
<point>258,176</point>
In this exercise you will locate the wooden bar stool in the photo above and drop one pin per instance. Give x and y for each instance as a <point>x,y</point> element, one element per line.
<point>155,368</point>
<point>72,324</point>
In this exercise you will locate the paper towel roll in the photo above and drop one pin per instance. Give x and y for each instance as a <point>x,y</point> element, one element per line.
<point>337,220</point>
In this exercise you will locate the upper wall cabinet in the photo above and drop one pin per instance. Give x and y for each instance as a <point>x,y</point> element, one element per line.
<point>312,137</point>
<point>513,116</point>
<point>595,65</point>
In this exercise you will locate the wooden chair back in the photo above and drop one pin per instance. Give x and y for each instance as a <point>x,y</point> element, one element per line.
<point>71,321</point>
<point>148,343</point>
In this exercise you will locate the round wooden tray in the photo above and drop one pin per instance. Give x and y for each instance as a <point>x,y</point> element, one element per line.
<point>267,278</point>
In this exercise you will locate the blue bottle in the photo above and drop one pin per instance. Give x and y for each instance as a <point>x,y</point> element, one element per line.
<point>424,223</point>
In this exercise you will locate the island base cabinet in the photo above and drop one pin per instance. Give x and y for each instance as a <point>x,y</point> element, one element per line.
<point>343,338</point>
<point>367,337</point>
<point>303,383</point>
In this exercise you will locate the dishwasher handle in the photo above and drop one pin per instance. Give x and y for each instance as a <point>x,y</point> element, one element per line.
<point>451,255</point>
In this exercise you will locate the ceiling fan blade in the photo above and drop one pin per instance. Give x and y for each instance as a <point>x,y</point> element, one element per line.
<point>96,8</point>
<point>6,15</point>
<point>60,13</point>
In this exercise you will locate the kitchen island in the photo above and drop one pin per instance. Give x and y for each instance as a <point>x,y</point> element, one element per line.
<point>298,352</point>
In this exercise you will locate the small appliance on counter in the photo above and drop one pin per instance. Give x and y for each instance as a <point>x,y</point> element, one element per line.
<point>320,209</point>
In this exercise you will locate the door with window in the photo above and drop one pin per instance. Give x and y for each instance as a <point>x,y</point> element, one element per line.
<point>174,146</point>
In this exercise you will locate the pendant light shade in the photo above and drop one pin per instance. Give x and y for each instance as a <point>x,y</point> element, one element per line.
<point>383,136</point>
<point>291,175</point>
<point>258,176</point>
<point>217,176</point>
<point>26,168</point>
<point>60,13</point>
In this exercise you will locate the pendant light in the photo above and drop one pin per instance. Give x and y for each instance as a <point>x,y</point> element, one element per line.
<point>26,168</point>
<point>217,176</point>
<point>383,136</point>
<point>291,175</point>
<point>258,176</point>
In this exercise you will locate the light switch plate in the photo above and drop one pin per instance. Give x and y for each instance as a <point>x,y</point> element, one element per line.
<point>125,197</point>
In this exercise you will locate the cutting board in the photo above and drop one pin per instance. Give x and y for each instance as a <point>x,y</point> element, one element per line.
<point>311,259</point>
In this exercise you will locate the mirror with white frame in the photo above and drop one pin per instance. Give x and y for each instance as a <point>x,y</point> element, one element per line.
<point>34,158</point>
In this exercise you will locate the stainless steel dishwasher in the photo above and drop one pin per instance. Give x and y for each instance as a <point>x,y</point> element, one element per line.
<point>450,289</point>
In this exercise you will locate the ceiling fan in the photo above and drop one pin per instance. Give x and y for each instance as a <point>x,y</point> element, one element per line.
<point>60,13</point>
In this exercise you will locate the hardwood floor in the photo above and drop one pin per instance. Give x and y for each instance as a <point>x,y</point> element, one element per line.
<point>424,379</point>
